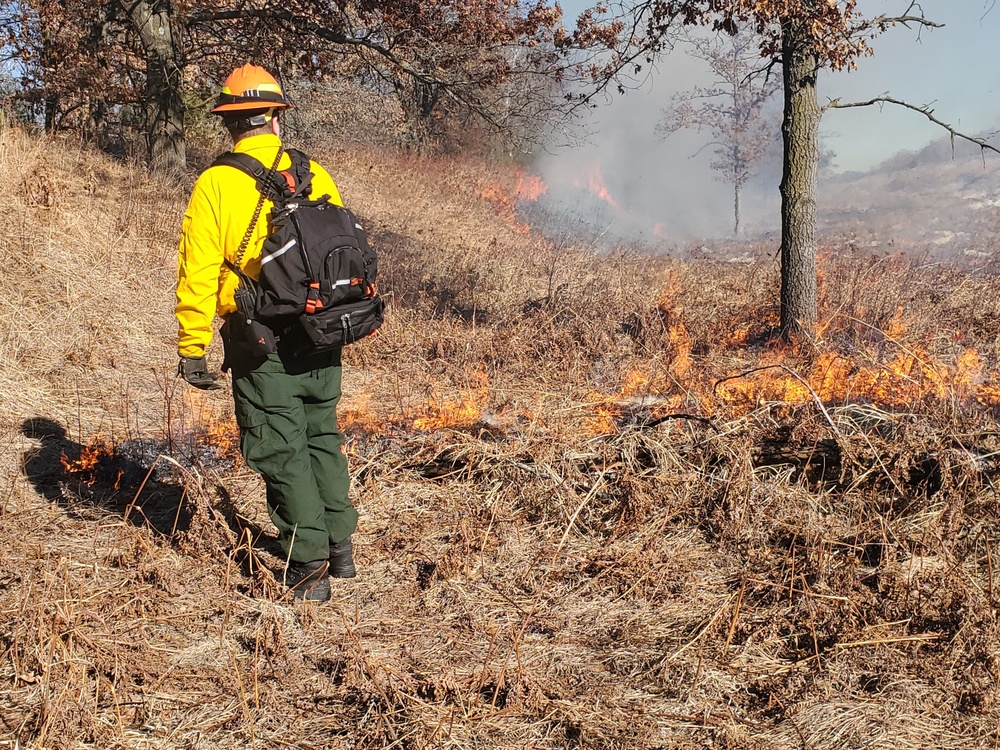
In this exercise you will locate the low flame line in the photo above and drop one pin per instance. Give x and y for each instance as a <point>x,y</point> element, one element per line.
<point>795,375</point>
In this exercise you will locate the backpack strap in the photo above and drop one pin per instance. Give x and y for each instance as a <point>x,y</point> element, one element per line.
<point>300,172</point>
<point>266,177</point>
<point>270,183</point>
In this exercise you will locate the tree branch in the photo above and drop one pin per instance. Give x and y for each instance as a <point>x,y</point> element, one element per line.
<point>631,54</point>
<point>904,21</point>
<point>925,110</point>
<point>304,24</point>
<point>460,90</point>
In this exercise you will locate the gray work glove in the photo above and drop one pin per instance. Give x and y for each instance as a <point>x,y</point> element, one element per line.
<point>195,371</point>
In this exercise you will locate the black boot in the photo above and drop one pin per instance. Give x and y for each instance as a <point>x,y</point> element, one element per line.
<point>341,560</point>
<point>309,580</point>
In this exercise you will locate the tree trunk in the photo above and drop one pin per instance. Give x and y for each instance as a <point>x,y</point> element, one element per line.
<point>51,112</point>
<point>162,43</point>
<point>737,210</point>
<point>95,128</point>
<point>49,59</point>
<point>800,138</point>
<point>417,100</point>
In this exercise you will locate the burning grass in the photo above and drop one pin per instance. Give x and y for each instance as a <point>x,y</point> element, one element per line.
<point>600,506</point>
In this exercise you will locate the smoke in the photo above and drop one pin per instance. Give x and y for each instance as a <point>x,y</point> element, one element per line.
<point>667,192</point>
<point>658,189</point>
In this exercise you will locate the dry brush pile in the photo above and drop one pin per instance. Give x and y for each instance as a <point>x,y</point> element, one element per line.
<point>601,507</point>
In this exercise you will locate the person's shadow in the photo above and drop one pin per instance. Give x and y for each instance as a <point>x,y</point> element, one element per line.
<point>133,479</point>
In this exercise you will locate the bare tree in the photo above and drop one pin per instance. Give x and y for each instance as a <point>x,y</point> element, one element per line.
<point>732,110</point>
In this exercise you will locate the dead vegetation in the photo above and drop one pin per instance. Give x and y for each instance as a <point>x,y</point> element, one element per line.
<point>600,508</point>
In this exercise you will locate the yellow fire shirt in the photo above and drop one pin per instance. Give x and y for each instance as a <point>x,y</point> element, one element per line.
<point>217,216</point>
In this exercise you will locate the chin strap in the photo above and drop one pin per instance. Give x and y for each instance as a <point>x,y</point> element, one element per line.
<point>246,123</point>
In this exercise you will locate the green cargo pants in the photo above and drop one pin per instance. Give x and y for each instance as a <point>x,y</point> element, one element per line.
<point>287,412</point>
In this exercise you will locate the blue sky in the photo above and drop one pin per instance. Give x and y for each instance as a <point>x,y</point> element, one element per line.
<point>955,69</point>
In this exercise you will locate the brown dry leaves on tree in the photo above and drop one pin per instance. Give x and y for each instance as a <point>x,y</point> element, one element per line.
<point>438,60</point>
<point>836,29</point>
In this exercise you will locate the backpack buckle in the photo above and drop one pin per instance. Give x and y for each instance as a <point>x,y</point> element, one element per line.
<point>313,302</point>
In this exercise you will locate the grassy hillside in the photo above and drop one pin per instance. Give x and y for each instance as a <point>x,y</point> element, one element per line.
<point>600,508</point>
<point>941,200</point>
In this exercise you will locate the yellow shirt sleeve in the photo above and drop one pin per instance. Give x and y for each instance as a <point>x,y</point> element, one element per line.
<point>199,264</point>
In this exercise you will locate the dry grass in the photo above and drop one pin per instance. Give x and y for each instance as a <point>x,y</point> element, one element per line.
<point>598,508</point>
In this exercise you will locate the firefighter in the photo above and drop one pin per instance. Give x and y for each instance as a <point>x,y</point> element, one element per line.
<point>285,405</point>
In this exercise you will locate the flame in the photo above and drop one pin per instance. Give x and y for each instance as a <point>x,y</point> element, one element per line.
<point>530,187</point>
<point>224,435</point>
<point>603,419</point>
<point>988,395</point>
<point>92,463</point>
<point>638,390</point>
<point>680,344</point>
<point>593,181</point>
<point>504,200</point>
<point>206,419</point>
<point>897,326</point>
<point>969,368</point>
<point>498,196</point>
<point>504,203</point>
<point>463,412</point>
<point>911,377</point>
<point>738,338</point>
<point>633,383</point>
<point>678,338</point>
<point>90,458</point>
<point>456,411</point>
<point>888,372</point>
<point>358,414</point>
<point>766,385</point>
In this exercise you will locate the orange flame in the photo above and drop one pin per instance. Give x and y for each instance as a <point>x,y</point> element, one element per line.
<point>602,421</point>
<point>205,419</point>
<point>89,459</point>
<point>224,435</point>
<point>912,377</point>
<point>680,343</point>
<point>530,187</point>
<point>639,390</point>
<point>87,465</point>
<point>449,413</point>
<point>460,411</point>
<point>897,326</point>
<point>358,414</point>
<point>593,181</point>
<point>504,203</point>
<point>988,395</point>
<point>908,377</point>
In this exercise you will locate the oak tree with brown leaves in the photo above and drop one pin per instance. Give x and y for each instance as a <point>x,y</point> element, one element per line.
<point>441,59</point>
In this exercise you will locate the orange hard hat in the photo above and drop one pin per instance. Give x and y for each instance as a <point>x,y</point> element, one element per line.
<point>250,88</point>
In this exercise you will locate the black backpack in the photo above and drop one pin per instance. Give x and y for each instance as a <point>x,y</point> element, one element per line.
<point>316,287</point>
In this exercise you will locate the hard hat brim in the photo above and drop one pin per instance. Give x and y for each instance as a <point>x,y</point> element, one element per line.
<point>221,109</point>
